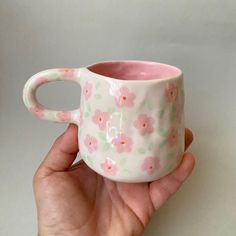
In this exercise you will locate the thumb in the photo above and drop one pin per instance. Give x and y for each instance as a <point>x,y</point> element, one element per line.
<point>62,154</point>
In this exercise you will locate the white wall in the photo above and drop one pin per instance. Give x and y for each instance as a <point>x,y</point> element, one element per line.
<point>197,36</point>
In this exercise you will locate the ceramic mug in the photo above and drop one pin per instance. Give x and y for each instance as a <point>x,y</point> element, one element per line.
<point>131,124</point>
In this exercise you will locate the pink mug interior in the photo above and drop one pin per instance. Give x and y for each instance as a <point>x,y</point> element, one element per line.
<point>135,70</point>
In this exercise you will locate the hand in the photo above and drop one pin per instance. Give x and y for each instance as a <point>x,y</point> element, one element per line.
<point>73,200</point>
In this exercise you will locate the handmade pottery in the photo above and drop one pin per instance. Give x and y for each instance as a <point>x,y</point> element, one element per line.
<point>131,124</point>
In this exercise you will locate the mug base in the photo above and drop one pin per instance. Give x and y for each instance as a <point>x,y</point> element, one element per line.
<point>136,179</point>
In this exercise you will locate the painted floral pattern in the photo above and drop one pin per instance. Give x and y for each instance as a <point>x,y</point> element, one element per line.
<point>37,111</point>
<point>122,143</point>
<point>63,116</point>
<point>87,90</point>
<point>118,120</point>
<point>41,80</point>
<point>100,118</point>
<point>91,143</point>
<point>150,165</point>
<point>144,124</point>
<point>109,167</point>
<point>67,72</point>
<point>173,137</point>
<point>124,97</point>
<point>171,92</point>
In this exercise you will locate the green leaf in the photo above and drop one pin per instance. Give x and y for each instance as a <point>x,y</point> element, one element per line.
<point>149,105</point>
<point>89,107</point>
<point>174,109</point>
<point>160,113</point>
<point>111,110</point>
<point>102,136</point>
<point>141,150</point>
<point>122,162</point>
<point>162,144</point>
<point>151,146</point>
<point>162,132</point>
<point>124,117</point>
<point>173,113</point>
<point>87,159</point>
<point>106,147</point>
<point>97,85</point>
<point>87,114</point>
<point>98,96</point>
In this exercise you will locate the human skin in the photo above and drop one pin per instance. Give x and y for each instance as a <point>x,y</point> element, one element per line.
<point>73,200</point>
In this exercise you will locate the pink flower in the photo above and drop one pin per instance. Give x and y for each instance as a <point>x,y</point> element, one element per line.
<point>67,72</point>
<point>123,143</point>
<point>63,116</point>
<point>100,118</point>
<point>37,111</point>
<point>171,92</point>
<point>173,137</point>
<point>144,124</point>
<point>41,80</point>
<point>109,167</point>
<point>91,143</point>
<point>150,164</point>
<point>87,91</point>
<point>124,98</point>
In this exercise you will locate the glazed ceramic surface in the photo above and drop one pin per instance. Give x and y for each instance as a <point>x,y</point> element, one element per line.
<point>130,116</point>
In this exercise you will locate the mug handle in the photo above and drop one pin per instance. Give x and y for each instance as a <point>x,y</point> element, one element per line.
<point>37,109</point>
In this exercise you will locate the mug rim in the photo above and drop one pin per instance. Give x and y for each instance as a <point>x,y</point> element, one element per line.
<point>164,79</point>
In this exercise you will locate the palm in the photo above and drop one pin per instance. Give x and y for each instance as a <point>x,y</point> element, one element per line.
<point>78,201</point>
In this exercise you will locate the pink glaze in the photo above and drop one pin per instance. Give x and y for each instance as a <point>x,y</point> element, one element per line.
<point>64,116</point>
<point>100,118</point>
<point>135,70</point>
<point>124,98</point>
<point>144,124</point>
<point>91,143</point>
<point>173,137</point>
<point>123,143</point>
<point>150,164</point>
<point>109,167</point>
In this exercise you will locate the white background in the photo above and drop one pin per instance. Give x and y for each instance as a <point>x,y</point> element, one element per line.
<point>197,36</point>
